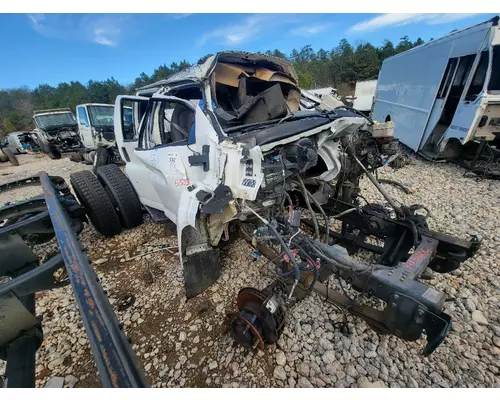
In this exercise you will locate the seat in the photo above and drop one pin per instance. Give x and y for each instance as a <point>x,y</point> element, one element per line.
<point>182,120</point>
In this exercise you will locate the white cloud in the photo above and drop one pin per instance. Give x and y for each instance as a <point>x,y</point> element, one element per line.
<point>180,16</point>
<point>310,30</point>
<point>387,20</point>
<point>246,30</point>
<point>105,30</point>
<point>237,33</point>
<point>103,36</point>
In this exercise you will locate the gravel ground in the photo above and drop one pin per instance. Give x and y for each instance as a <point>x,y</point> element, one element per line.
<point>182,344</point>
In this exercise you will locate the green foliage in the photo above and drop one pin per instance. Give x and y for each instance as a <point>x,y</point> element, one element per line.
<point>340,67</point>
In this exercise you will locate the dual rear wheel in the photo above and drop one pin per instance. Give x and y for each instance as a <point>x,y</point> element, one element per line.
<point>109,199</point>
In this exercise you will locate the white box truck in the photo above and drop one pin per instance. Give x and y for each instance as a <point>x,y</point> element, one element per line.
<point>445,93</point>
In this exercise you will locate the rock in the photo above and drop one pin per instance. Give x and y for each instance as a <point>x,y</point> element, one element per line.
<point>70,380</point>
<point>100,261</point>
<point>412,382</point>
<point>303,369</point>
<point>135,316</point>
<point>279,373</point>
<point>351,371</point>
<point>325,344</point>
<point>182,336</point>
<point>147,367</point>
<point>212,365</point>
<point>363,382</point>
<point>55,382</point>
<point>377,384</point>
<point>280,358</point>
<point>469,304</point>
<point>196,339</point>
<point>328,357</point>
<point>307,328</point>
<point>187,316</point>
<point>479,317</point>
<point>496,341</point>
<point>304,383</point>
<point>371,354</point>
<point>57,362</point>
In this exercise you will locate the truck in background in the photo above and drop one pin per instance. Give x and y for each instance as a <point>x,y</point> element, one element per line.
<point>96,127</point>
<point>56,131</point>
<point>444,94</point>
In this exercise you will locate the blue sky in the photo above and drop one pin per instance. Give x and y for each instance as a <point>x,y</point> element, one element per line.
<point>53,48</point>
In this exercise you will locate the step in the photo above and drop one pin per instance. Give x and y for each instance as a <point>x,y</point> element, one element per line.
<point>156,215</point>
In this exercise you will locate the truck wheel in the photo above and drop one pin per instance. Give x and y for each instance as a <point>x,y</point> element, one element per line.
<point>100,159</point>
<point>98,205</point>
<point>122,195</point>
<point>52,152</point>
<point>10,155</point>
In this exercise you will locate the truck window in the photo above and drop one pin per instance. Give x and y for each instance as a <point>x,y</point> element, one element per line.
<point>477,83</point>
<point>494,84</point>
<point>82,116</point>
<point>447,77</point>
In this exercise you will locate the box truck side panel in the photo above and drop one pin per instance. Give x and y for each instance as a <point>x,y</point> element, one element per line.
<point>407,88</point>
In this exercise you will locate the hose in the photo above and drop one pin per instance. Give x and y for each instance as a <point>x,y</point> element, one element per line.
<point>308,203</point>
<point>316,203</point>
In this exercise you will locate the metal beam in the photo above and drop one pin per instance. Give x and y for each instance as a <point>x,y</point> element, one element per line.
<point>116,362</point>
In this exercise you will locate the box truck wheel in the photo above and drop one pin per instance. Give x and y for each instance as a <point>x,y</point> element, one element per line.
<point>122,195</point>
<point>97,203</point>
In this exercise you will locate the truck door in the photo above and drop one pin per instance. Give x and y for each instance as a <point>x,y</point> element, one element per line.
<point>176,147</point>
<point>84,127</point>
<point>468,113</point>
<point>184,153</point>
<point>129,113</point>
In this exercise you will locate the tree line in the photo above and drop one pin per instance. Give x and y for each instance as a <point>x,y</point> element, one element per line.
<point>340,67</point>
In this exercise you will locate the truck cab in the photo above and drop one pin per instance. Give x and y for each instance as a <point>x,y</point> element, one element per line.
<point>96,127</point>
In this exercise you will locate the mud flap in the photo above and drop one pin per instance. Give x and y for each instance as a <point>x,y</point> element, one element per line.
<point>201,270</point>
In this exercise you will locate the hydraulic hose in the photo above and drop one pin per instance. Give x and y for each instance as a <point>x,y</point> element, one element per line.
<point>308,203</point>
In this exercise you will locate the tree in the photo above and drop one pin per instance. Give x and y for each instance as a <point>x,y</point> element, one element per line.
<point>386,50</point>
<point>404,44</point>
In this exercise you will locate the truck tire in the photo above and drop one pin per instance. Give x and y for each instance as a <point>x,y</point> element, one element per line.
<point>98,205</point>
<point>100,159</point>
<point>52,152</point>
<point>11,156</point>
<point>122,195</point>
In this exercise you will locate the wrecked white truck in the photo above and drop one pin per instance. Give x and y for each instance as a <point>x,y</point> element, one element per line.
<point>224,145</point>
<point>56,131</point>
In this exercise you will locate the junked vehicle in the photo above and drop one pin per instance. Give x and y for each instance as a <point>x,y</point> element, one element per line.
<point>96,127</point>
<point>56,131</point>
<point>225,145</point>
<point>444,95</point>
<point>21,142</point>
